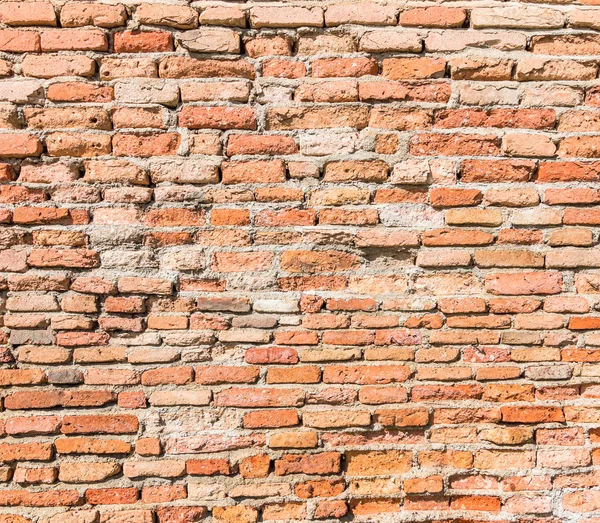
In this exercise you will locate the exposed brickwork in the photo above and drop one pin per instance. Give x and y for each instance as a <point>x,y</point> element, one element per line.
<point>299,260</point>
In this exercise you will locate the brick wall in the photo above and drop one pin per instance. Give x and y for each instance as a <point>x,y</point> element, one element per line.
<point>299,261</point>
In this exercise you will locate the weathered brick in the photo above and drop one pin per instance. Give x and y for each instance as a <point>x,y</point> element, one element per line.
<point>18,13</point>
<point>293,16</point>
<point>179,16</point>
<point>433,17</point>
<point>52,66</point>
<point>217,118</point>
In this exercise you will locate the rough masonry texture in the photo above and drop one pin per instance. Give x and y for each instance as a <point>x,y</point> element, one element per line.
<point>299,260</point>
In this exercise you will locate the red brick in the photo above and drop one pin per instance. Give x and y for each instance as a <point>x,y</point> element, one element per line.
<point>496,171</point>
<point>195,117</point>
<point>260,144</point>
<point>143,42</point>
<point>209,467</point>
<point>283,69</point>
<point>184,67</point>
<point>454,145</point>
<point>79,92</point>
<point>16,13</point>
<point>344,67</point>
<point>146,145</point>
<point>46,498</point>
<point>322,463</point>
<point>433,17</point>
<point>413,68</point>
<point>111,496</point>
<point>15,41</point>
<point>118,424</point>
<point>258,171</point>
<point>19,145</point>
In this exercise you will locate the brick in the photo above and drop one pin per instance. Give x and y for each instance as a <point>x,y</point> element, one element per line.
<point>158,144</point>
<point>235,514</point>
<point>79,92</point>
<point>386,41</point>
<point>111,496</point>
<point>258,171</point>
<point>146,91</point>
<point>217,118</point>
<point>223,15</point>
<point>498,171</point>
<point>15,41</point>
<point>184,67</point>
<point>318,261</point>
<point>207,40</point>
<point>17,14</point>
<point>532,414</point>
<point>111,68</point>
<point>122,424</point>
<point>79,145</point>
<point>352,374</point>
<point>526,17</point>
<point>52,66</point>
<point>215,91</point>
<point>162,469</point>
<point>268,45</point>
<point>26,452</point>
<point>487,69</point>
<point>538,69</point>
<point>208,467</point>
<point>88,118</point>
<point>114,171</point>
<point>284,69</point>
<point>343,67</point>
<point>364,14</point>
<point>261,144</point>
<point>54,498</point>
<point>372,463</point>
<point>322,463</point>
<point>447,145</point>
<point>331,509</point>
<point>525,283</point>
<point>73,39</point>
<point>356,171</point>
<point>181,17</point>
<point>21,92</point>
<point>402,90</point>
<point>87,472</point>
<point>310,44</point>
<point>288,118</point>
<point>272,418</point>
<point>19,145</point>
<point>292,16</point>
<point>78,14</point>
<point>143,42</point>
<point>526,118</point>
<point>265,398</point>
<point>63,258</point>
<point>580,501</point>
<point>35,476</point>
<point>33,425</point>
<point>413,68</point>
<point>433,17</point>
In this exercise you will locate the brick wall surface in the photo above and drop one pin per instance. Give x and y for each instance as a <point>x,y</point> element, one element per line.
<point>299,260</point>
